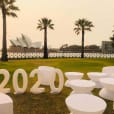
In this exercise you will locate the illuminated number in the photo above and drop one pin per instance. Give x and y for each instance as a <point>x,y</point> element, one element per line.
<point>35,88</point>
<point>16,87</point>
<point>6,75</point>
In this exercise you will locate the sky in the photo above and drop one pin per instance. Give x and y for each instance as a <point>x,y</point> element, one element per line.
<point>63,13</point>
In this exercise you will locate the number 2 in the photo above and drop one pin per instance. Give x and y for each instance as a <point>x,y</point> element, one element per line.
<point>6,75</point>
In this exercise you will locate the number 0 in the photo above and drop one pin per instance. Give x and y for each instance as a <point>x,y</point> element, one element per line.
<point>16,87</point>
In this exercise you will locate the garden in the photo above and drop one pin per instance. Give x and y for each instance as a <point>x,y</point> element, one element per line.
<point>47,103</point>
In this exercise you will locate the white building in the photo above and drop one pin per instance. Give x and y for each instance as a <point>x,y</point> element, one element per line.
<point>23,43</point>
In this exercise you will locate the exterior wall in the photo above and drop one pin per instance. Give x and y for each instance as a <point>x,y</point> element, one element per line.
<point>107,47</point>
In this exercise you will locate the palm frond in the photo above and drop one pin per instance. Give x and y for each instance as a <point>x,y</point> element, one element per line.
<point>9,7</point>
<point>87,29</point>
<point>77,30</point>
<point>40,21</point>
<point>40,28</point>
<point>82,24</point>
<point>11,1</point>
<point>49,21</point>
<point>44,23</point>
<point>11,14</point>
<point>12,7</point>
<point>51,26</point>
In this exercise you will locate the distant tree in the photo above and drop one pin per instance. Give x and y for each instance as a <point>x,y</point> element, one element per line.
<point>71,48</point>
<point>74,47</point>
<point>7,7</point>
<point>43,24</point>
<point>92,47</point>
<point>82,25</point>
<point>112,40</point>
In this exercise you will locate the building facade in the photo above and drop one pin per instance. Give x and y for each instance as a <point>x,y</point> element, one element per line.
<point>24,44</point>
<point>107,47</point>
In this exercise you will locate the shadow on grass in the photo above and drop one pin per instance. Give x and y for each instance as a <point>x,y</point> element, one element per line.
<point>47,103</point>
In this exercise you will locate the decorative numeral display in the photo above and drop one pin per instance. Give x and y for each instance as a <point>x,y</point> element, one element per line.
<point>35,89</point>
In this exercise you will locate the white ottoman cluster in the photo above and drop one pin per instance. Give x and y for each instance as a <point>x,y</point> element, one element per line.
<point>81,100</point>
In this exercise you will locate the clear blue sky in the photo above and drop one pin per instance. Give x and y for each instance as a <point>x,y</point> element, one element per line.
<point>63,14</point>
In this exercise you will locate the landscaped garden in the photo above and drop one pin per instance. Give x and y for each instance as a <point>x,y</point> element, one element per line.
<point>47,103</point>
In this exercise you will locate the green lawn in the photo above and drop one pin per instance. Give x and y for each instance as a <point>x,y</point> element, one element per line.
<point>47,103</point>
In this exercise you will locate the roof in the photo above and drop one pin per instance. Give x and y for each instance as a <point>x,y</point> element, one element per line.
<point>24,41</point>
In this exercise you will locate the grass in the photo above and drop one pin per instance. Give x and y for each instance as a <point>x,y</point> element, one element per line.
<point>47,103</point>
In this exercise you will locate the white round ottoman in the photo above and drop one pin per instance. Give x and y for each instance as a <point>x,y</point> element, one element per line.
<point>109,70</point>
<point>6,104</point>
<point>85,104</point>
<point>81,86</point>
<point>95,76</point>
<point>45,74</point>
<point>108,88</point>
<point>73,76</point>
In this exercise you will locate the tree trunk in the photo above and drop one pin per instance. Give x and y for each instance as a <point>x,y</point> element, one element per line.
<point>4,42</point>
<point>45,43</point>
<point>82,49</point>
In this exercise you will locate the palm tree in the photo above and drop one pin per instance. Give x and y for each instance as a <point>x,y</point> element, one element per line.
<point>43,24</point>
<point>82,25</point>
<point>7,7</point>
